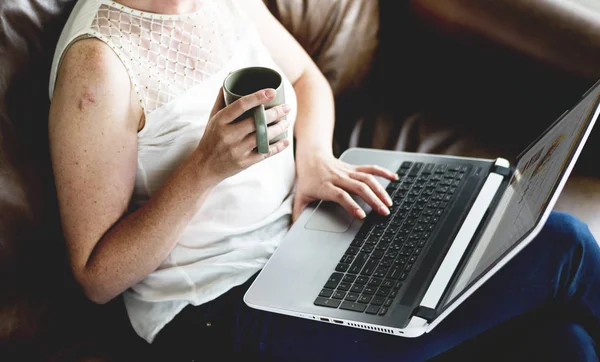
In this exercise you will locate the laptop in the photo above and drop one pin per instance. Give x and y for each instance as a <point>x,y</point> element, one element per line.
<point>454,223</point>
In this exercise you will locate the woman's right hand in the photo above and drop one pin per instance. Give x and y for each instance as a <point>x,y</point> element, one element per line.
<point>228,148</point>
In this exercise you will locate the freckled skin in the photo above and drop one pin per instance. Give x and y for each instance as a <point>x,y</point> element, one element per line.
<point>86,97</point>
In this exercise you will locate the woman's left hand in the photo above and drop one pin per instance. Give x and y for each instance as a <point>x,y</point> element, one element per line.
<point>321,176</point>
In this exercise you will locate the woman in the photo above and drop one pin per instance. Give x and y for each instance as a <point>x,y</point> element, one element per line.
<point>162,198</point>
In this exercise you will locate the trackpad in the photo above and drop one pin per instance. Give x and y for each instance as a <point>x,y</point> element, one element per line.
<point>330,216</point>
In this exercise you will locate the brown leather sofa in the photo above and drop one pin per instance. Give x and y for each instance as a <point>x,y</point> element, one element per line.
<point>455,76</point>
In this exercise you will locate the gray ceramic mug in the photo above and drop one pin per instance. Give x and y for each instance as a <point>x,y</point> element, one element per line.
<point>247,81</point>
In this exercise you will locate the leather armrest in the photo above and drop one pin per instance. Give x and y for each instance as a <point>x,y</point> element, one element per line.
<point>563,34</point>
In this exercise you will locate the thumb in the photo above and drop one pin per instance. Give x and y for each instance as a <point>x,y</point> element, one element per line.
<point>299,206</point>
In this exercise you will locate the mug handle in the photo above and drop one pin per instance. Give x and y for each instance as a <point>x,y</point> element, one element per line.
<point>260,121</point>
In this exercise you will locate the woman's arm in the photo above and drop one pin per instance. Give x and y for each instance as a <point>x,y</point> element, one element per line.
<point>320,176</point>
<point>93,125</point>
<point>315,118</point>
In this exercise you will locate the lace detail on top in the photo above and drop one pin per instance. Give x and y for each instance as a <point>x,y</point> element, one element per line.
<point>166,55</point>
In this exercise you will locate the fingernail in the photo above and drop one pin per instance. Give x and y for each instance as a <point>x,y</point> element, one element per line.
<point>360,213</point>
<point>270,93</point>
<point>396,176</point>
<point>384,210</point>
<point>286,108</point>
<point>388,200</point>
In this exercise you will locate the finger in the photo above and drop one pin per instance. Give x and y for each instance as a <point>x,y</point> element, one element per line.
<point>346,201</point>
<point>219,103</point>
<point>274,149</point>
<point>237,108</point>
<point>249,143</point>
<point>300,204</point>
<point>247,125</point>
<point>361,189</point>
<point>374,185</point>
<point>377,171</point>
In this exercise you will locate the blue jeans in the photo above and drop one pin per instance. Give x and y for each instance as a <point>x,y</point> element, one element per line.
<point>549,293</point>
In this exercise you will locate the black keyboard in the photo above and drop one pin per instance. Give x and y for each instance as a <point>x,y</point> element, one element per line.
<point>387,249</point>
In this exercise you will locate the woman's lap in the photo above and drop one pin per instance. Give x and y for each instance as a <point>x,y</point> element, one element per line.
<point>557,272</point>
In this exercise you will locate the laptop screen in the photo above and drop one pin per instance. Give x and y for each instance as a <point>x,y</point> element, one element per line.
<point>536,177</point>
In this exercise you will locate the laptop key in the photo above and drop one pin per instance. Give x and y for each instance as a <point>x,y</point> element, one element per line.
<point>357,243</point>
<point>406,165</point>
<point>334,280</point>
<point>387,283</point>
<point>351,297</point>
<point>347,259</point>
<point>383,311</point>
<point>354,269</point>
<point>383,292</point>
<point>357,288</point>
<point>364,298</point>
<point>387,262</point>
<point>372,309</point>
<point>344,286</point>
<point>356,307</point>
<point>372,240</point>
<point>397,286</point>
<point>349,278</point>
<point>380,272</point>
<point>388,302</point>
<point>326,293</point>
<point>416,168</point>
<point>362,280</point>
<point>428,168</point>
<point>369,290</point>
<point>393,293</point>
<point>395,272</point>
<point>367,249</point>
<point>330,303</point>
<point>341,267</point>
<point>377,300</point>
<point>338,295</point>
<point>377,254</point>
<point>375,282</point>
<point>352,250</point>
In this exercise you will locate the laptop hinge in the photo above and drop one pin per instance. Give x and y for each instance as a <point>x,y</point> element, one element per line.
<point>500,170</point>
<point>502,167</point>
<point>426,313</point>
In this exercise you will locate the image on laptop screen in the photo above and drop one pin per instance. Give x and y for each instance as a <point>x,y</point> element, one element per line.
<point>535,178</point>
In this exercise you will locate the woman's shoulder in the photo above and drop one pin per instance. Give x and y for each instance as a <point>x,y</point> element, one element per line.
<point>92,86</point>
<point>91,73</point>
<point>92,60</point>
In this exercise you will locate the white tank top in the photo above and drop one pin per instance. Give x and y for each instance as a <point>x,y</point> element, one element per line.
<point>176,64</point>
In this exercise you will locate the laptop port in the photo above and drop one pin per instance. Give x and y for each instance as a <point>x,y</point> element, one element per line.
<point>337,321</point>
<point>325,319</point>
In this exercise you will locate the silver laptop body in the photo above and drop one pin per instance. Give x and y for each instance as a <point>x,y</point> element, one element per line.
<point>494,212</point>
